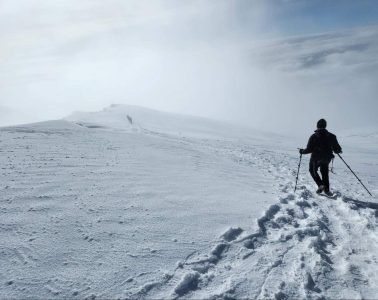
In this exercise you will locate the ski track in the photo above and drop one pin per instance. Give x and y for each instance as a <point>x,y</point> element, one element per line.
<point>305,246</point>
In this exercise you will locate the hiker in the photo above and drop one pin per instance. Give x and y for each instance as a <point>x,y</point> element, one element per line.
<point>321,145</point>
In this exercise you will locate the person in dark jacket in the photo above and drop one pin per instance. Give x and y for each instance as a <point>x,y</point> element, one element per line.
<point>321,145</point>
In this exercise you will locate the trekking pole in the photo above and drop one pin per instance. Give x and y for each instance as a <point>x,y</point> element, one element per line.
<point>299,165</point>
<point>354,174</point>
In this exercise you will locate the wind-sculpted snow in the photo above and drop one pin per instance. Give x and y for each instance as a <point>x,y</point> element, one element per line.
<point>89,211</point>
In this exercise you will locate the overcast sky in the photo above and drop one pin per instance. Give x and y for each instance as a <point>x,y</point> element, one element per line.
<point>278,65</point>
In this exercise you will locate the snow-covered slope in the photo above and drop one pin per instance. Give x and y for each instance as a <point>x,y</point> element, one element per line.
<point>135,118</point>
<point>166,206</point>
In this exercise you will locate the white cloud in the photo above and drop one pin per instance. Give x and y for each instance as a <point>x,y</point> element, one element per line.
<point>332,75</point>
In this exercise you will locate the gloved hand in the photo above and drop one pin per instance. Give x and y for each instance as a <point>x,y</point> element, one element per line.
<point>301,151</point>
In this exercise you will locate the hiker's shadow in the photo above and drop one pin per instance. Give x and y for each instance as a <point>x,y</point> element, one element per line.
<point>361,204</point>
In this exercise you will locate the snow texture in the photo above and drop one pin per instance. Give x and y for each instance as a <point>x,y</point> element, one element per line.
<point>133,203</point>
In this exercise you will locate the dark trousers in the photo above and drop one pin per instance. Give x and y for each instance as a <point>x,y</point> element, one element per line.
<point>314,166</point>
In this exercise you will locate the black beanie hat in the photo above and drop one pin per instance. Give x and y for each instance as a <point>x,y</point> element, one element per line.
<point>321,124</point>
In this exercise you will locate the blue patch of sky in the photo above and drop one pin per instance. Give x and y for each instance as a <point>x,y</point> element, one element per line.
<point>312,16</point>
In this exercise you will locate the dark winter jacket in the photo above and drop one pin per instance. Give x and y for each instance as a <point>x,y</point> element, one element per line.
<point>321,145</point>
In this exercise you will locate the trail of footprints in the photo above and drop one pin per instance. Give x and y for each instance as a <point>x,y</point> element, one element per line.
<point>288,254</point>
<point>292,241</point>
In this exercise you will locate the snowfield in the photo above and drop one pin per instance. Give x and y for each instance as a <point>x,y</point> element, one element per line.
<point>135,203</point>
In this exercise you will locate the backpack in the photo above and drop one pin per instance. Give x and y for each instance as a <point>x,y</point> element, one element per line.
<point>322,147</point>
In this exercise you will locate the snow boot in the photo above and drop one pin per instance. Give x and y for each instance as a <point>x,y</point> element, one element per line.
<point>328,192</point>
<point>320,189</point>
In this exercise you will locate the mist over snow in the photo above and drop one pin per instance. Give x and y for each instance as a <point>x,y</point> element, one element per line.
<point>273,65</point>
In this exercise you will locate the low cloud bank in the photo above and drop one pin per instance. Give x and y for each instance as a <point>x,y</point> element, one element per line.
<point>200,58</point>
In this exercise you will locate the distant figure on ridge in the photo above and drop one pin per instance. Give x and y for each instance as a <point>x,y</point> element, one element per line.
<point>321,145</point>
